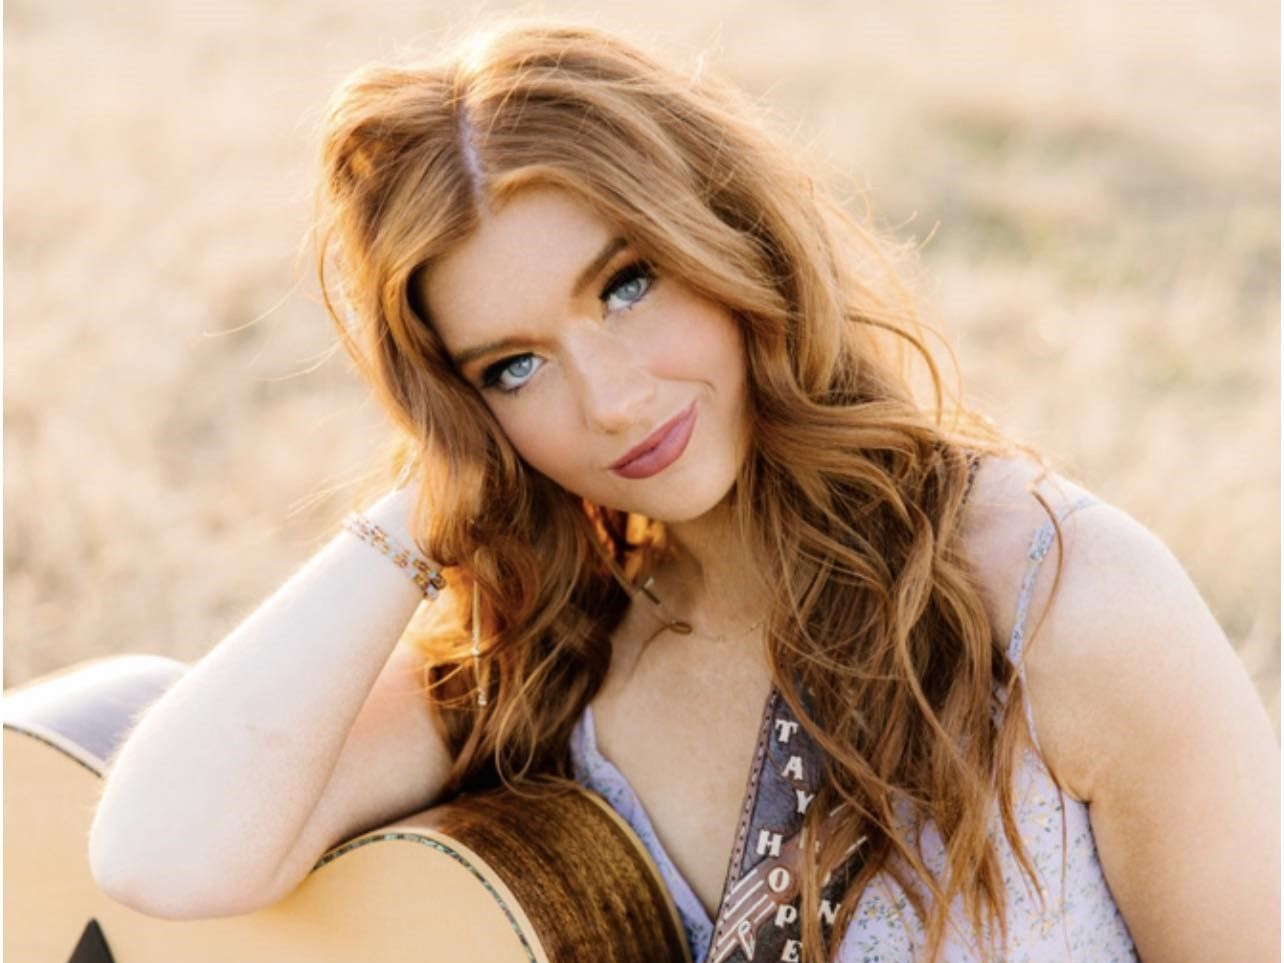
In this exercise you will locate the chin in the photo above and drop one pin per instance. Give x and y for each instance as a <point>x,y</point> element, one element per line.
<point>687,503</point>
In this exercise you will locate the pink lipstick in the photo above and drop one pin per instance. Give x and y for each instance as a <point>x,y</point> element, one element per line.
<point>660,449</point>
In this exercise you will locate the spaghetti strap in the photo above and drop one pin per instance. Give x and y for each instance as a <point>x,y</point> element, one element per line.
<point>1044,536</point>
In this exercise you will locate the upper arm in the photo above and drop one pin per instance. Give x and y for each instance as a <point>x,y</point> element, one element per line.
<point>394,762</point>
<point>1144,710</point>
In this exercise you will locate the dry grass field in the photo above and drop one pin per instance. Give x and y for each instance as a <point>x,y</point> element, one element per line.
<point>1094,185</point>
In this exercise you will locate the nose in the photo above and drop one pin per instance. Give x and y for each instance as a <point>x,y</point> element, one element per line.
<point>615,390</point>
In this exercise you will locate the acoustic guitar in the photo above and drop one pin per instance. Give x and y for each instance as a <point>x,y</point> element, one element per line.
<point>493,878</point>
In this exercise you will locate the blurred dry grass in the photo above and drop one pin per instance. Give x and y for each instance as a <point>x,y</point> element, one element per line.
<point>1100,182</point>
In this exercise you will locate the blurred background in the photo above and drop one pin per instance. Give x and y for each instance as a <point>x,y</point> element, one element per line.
<point>1094,186</point>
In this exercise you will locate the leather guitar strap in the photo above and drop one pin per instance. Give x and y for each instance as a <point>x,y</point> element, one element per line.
<point>759,916</point>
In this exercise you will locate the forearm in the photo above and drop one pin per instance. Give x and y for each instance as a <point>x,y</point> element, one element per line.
<point>222,773</point>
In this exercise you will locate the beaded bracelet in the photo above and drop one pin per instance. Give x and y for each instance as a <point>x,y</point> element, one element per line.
<point>416,566</point>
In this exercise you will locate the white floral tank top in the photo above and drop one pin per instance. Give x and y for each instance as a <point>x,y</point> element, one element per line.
<point>1074,917</point>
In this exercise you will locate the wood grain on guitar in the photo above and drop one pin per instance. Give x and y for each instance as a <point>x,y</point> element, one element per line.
<point>554,876</point>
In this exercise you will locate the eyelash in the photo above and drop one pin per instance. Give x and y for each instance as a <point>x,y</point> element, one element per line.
<point>636,270</point>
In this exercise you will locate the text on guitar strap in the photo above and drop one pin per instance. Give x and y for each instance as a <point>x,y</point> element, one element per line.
<point>758,919</point>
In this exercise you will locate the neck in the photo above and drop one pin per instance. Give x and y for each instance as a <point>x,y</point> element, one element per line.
<point>709,577</point>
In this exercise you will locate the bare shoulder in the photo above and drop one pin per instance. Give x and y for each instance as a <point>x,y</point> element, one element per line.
<point>1011,499</point>
<point>1142,709</point>
<point>1123,640</point>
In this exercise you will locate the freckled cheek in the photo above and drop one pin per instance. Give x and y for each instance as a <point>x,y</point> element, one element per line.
<point>700,343</point>
<point>546,440</point>
<point>714,350</point>
<point>717,352</point>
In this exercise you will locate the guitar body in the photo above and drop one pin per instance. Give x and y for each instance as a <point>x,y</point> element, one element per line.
<point>552,877</point>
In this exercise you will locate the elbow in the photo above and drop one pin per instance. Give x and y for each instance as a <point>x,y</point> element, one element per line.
<point>130,886</point>
<point>166,883</point>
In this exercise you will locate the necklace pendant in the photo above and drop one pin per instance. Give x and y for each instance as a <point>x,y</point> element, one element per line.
<point>645,589</point>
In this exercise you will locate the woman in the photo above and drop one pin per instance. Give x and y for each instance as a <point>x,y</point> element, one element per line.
<point>658,442</point>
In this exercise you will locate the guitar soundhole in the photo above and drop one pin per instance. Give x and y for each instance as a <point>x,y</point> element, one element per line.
<point>92,947</point>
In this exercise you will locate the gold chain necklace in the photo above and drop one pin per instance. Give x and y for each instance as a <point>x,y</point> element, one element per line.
<point>683,627</point>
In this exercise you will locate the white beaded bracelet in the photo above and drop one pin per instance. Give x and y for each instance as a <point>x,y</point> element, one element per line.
<point>420,570</point>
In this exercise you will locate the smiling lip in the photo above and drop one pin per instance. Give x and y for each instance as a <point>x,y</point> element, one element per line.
<point>661,449</point>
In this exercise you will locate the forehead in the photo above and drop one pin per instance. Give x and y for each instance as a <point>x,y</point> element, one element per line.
<point>512,270</point>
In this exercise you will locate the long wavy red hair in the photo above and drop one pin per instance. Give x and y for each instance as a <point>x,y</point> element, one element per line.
<point>853,491</point>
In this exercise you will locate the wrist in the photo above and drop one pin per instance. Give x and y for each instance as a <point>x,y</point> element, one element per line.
<point>386,527</point>
<point>418,569</point>
<point>394,512</point>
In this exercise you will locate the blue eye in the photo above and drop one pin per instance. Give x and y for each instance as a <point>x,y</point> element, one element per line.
<point>627,286</point>
<point>512,373</point>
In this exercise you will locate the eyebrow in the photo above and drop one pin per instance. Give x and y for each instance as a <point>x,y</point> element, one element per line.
<point>582,280</point>
<point>594,267</point>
